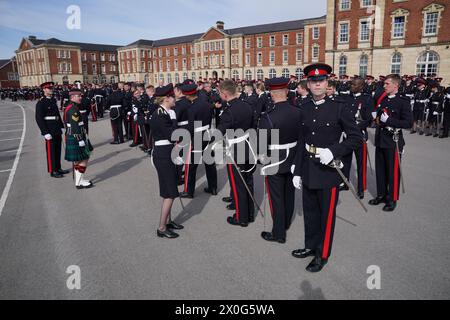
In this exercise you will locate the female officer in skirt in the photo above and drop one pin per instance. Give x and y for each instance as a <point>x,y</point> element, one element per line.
<point>162,123</point>
<point>78,146</point>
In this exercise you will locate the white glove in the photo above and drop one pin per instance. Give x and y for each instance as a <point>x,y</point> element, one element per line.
<point>135,117</point>
<point>135,110</point>
<point>374,114</point>
<point>435,113</point>
<point>172,114</point>
<point>81,143</point>
<point>178,161</point>
<point>384,117</point>
<point>326,156</point>
<point>62,130</point>
<point>293,168</point>
<point>129,113</point>
<point>48,136</point>
<point>297,182</point>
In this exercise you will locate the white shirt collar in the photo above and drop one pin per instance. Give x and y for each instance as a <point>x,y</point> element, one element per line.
<point>317,103</point>
<point>357,94</point>
<point>392,96</point>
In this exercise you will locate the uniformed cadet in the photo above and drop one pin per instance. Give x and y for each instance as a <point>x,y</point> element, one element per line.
<point>78,146</point>
<point>51,126</point>
<point>420,102</point>
<point>369,87</point>
<point>148,111</point>
<point>136,110</point>
<point>64,98</point>
<point>446,114</point>
<point>303,95</point>
<point>128,105</point>
<point>292,87</point>
<point>115,104</point>
<point>199,122</point>
<point>322,123</point>
<point>250,96</point>
<point>331,89</point>
<point>262,105</point>
<point>344,85</point>
<point>285,118</point>
<point>238,115</point>
<point>393,115</point>
<point>434,105</point>
<point>163,122</point>
<point>85,110</point>
<point>99,95</point>
<point>360,105</point>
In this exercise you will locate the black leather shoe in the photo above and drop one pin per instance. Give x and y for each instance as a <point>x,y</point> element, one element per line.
<point>212,191</point>
<point>435,135</point>
<point>232,220</point>
<point>231,206</point>
<point>428,134</point>
<point>56,175</point>
<point>442,137</point>
<point>251,218</point>
<point>344,188</point>
<point>186,195</point>
<point>377,201</point>
<point>361,194</point>
<point>421,132</point>
<point>174,226</point>
<point>133,145</point>
<point>303,253</point>
<point>114,142</point>
<point>412,132</point>
<point>268,236</point>
<point>61,171</point>
<point>316,264</point>
<point>227,199</point>
<point>390,206</point>
<point>167,234</point>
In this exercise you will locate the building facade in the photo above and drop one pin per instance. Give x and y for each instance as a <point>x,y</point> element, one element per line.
<point>63,62</point>
<point>255,52</point>
<point>9,76</point>
<point>380,37</point>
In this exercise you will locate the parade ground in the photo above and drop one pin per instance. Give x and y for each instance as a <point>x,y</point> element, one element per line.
<point>108,233</point>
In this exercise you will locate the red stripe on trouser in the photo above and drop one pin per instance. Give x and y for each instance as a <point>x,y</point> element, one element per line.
<point>113,130</point>
<point>233,186</point>
<point>326,242</point>
<point>395,195</point>
<point>186,170</point>
<point>270,197</point>
<point>49,157</point>
<point>364,166</point>
<point>135,133</point>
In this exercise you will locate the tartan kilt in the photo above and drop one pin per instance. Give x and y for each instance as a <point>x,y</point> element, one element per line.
<point>74,152</point>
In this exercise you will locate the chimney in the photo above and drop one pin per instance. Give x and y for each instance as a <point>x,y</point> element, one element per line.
<point>32,37</point>
<point>220,25</point>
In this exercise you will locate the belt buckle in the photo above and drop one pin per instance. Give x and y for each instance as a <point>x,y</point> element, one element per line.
<point>312,149</point>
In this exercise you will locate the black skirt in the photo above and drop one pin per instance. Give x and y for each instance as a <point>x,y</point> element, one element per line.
<point>167,176</point>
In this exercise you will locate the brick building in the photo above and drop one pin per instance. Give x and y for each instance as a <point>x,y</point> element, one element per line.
<point>9,77</point>
<point>254,52</point>
<point>54,60</point>
<point>389,36</point>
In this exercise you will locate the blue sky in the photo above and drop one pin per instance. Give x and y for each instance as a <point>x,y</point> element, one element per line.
<point>122,22</point>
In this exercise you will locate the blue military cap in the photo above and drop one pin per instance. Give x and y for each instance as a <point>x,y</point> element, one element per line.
<point>318,71</point>
<point>164,91</point>
<point>277,83</point>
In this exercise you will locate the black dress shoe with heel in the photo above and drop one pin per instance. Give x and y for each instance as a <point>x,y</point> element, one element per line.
<point>174,226</point>
<point>212,191</point>
<point>377,201</point>
<point>268,236</point>
<point>316,264</point>
<point>233,221</point>
<point>61,171</point>
<point>186,195</point>
<point>167,234</point>
<point>227,199</point>
<point>303,253</point>
<point>390,206</point>
<point>56,174</point>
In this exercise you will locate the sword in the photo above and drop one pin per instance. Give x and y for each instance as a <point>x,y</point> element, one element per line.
<point>338,165</point>
<point>399,160</point>
<point>368,158</point>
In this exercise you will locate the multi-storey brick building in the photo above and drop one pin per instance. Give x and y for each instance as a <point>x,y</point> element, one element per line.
<point>9,77</point>
<point>389,36</point>
<point>254,52</point>
<point>65,62</point>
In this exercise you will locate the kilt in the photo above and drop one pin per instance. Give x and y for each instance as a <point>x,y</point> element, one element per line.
<point>74,152</point>
<point>167,176</point>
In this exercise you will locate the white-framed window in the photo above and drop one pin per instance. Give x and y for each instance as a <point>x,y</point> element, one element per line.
<point>285,39</point>
<point>299,56</point>
<point>183,50</point>
<point>161,78</point>
<point>299,38</point>
<point>315,33</point>
<point>94,68</point>
<point>222,59</point>
<point>259,74</point>
<point>247,58</point>
<point>84,68</point>
<point>364,30</point>
<point>299,73</point>
<point>175,51</point>
<point>285,73</point>
<point>103,68</point>
<point>85,56</point>
<point>285,56</point>
<point>193,76</point>
<point>167,52</point>
<point>343,32</point>
<point>222,45</point>
<point>315,52</point>
<point>247,43</point>
<point>93,57</point>
<point>160,53</point>
<point>427,63</point>
<point>398,31</point>
<point>259,57</point>
<point>169,78</point>
<point>133,54</point>
<point>160,66</point>
<point>185,76</point>
<point>396,63</point>
<point>431,23</point>
<point>168,65</point>
<point>272,41</point>
<point>363,65</point>
<point>272,73</point>
<point>259,42</point>
<point>235,74</point>
<point>128,67</point>
<point>205,61</point>
<point>102,57</point>
<point>150,67</point>
<point>344,5</point>
<point>193,63</point>
<point>175,64</point>
<point>206,46</point>
<point>112,57</point>
<point>248,75</point>
<point>342,65</point>
<point>366,3</point>
<point>272,57</point>
<point>185,63</point>
<point>177,78</point>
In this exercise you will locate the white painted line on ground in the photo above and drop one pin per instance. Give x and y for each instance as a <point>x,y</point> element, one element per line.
<point>9,139</point>
<point>17,130</point>
<point>9,151</point>
<point>2,171</point>
<point>9,120</point>
<point>10,124</point>
<point>16,163</point>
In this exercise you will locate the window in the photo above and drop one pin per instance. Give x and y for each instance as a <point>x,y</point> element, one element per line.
<point>342,65</point>
<point>84,68</point>
<point>102,57</point>
<point>299,38</point>
<point>299,56</point>
<point>427,63</point>
<point>222,59</point>
<point>272,73</point>
<point>167,65</point>
<point>315,53</point>
<point>112,57</point>
<point>366,3</point>
<point>247,43</point>
<point>396,63</point>
<point>364,30</point>
<point>175,64</point>
<point>194,76</point>
<point>260,74</point>
<point>259,57</point>
<point>183,50</point>
<point>160,65</point>
<point>431,20</point>
<point>248,75</point>
<point>345,5</point>
<point>185,76</point>
<point>175,51</point>
<point>160,53</point>
<point>259,42</point>
<point>247,58</point>
<point>150,67</point>
<point>167,52</point>
<point>363,65</point>
<point>206,46</point>
<point>185,63</point>
<point>94,68</point>
<point>272,57</point>
<point>272,41</point>
<point>177,78</point>
<point>222,45</point>
<point>399,27</point>
<point>142,66</point>
<point>285,56</point>
<point>299,73</point>
<point>93,57</point>
<point>285,39</point>
<point>343,32</point>
<point>161,78</point>
<point>235,74</point>
<point>315,33</point>
<point>205,62</point>
<point>113,79</point>
<point>285,73</point>
<point>103,68</point>
<point>169,78</point>
<point>84,56</point>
